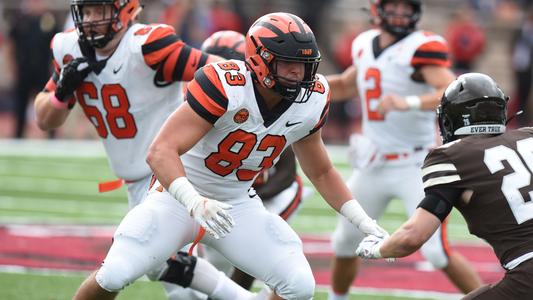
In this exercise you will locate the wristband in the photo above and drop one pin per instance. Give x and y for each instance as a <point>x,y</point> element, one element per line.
<point>413,102</point>
<point>56,103</point>
<point>183,191</point>
<point>353,211</point>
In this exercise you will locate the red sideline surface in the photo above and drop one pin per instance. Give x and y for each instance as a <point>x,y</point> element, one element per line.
<point>83,248</point>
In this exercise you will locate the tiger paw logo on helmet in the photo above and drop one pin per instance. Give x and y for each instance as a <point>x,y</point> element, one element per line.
<point>241,116</point>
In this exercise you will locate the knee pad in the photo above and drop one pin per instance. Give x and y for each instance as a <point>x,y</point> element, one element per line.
<point>180,270</point>
<point>435,254</point>
<point>115,274</point>
<point>345,238</point>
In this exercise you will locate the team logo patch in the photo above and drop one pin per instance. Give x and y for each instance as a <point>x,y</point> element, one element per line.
<point>241,116</point>
<point>67,58</point>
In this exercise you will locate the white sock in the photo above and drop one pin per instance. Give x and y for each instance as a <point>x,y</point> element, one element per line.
<point>205,277</point>
<point>334,296</point>
<point>228,289</point>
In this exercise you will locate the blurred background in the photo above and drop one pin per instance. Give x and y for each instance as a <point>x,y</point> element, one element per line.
<point>490,36</point>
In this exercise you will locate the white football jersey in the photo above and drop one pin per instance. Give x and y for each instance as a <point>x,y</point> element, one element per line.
<point>390,72</point>
<point>246,136</point>
<point>129,99</point>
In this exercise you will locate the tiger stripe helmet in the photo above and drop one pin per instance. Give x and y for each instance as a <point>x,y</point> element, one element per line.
<point>282,37</point>
<point>122,14</point>
<point>227,44</point>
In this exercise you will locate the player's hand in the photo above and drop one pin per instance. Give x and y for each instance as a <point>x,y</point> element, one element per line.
<point>371,227</point>
<point>392,102</point>
<point>213,216</point>
<point>70,78</point>
<point>369,247</point>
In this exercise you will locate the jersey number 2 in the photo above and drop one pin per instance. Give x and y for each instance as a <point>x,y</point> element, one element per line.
<point>373,95</point>
<point>236,147</point>
<point>116,104</point>
<point>512,183</point>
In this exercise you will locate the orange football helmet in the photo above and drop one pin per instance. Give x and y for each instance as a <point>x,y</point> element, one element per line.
<point>122,15</point>
<point>282,37</point>
<point>227,44</point>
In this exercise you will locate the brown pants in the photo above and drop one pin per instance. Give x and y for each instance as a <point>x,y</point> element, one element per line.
<point>516,284</point>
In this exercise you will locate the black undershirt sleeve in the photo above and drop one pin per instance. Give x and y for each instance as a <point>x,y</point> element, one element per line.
<point>440,201</point>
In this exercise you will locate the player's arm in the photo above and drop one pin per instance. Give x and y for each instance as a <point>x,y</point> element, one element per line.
<point>411,235</point>
<point>439,78</point>
<point>430,213</point>
<point>431,65</point>
<point>180,132</point>
<point>282,179</point>
<point>53,104</point>
<point>317,166</point>
<point>48,116</point>
<point>172,59</point>
<point>343,86</point>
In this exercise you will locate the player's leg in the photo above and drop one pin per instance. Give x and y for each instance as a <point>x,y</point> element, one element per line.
<point>436,250</point>
<point>147,236</point>
<point>177,289</point>
<point>273,253</point>
<point>285,204</point>
<point>346,237</point>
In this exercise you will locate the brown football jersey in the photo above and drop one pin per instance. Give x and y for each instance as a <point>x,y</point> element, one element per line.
<point>498,171</point>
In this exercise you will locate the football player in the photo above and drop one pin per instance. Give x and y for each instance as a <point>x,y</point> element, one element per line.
<point>280,188</point>
<point>400,74</point>
<point>485,173</point>
<point>126,77</point>
<point>238,117</point>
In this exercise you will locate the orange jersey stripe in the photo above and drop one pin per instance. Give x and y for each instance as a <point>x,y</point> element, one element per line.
<point>193,64</point>
<point>204,100</point>
<point>323,116</point>
<point>159,33</point>
<point>170,64</point>
<point>431,53</point>
<point>433,46</point>
<point>154,58</point>
<point>417,62</point>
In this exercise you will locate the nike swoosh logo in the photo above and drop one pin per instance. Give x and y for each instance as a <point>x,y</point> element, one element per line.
<point>115,71</point>
<point>289,124</point>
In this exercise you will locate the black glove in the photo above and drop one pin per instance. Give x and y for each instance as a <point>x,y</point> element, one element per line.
<point>71,77</point>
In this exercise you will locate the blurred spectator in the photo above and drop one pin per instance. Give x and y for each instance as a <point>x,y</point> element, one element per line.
<point>465,38</point>
<point>28,54</point>
<point>189,18</point>
<point>223,17</point>
<point>523,68</point>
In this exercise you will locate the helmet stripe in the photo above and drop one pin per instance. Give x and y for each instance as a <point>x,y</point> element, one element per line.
<point>270,27</point>
<point>297,21</point>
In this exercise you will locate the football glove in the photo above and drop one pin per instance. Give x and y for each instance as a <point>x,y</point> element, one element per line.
<point>213,216</point>
<point>210,214</point>
<point>70,78</point>
<point>369,247</point>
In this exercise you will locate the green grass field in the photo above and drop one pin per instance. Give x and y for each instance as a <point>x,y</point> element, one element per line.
<point>43,183</point>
